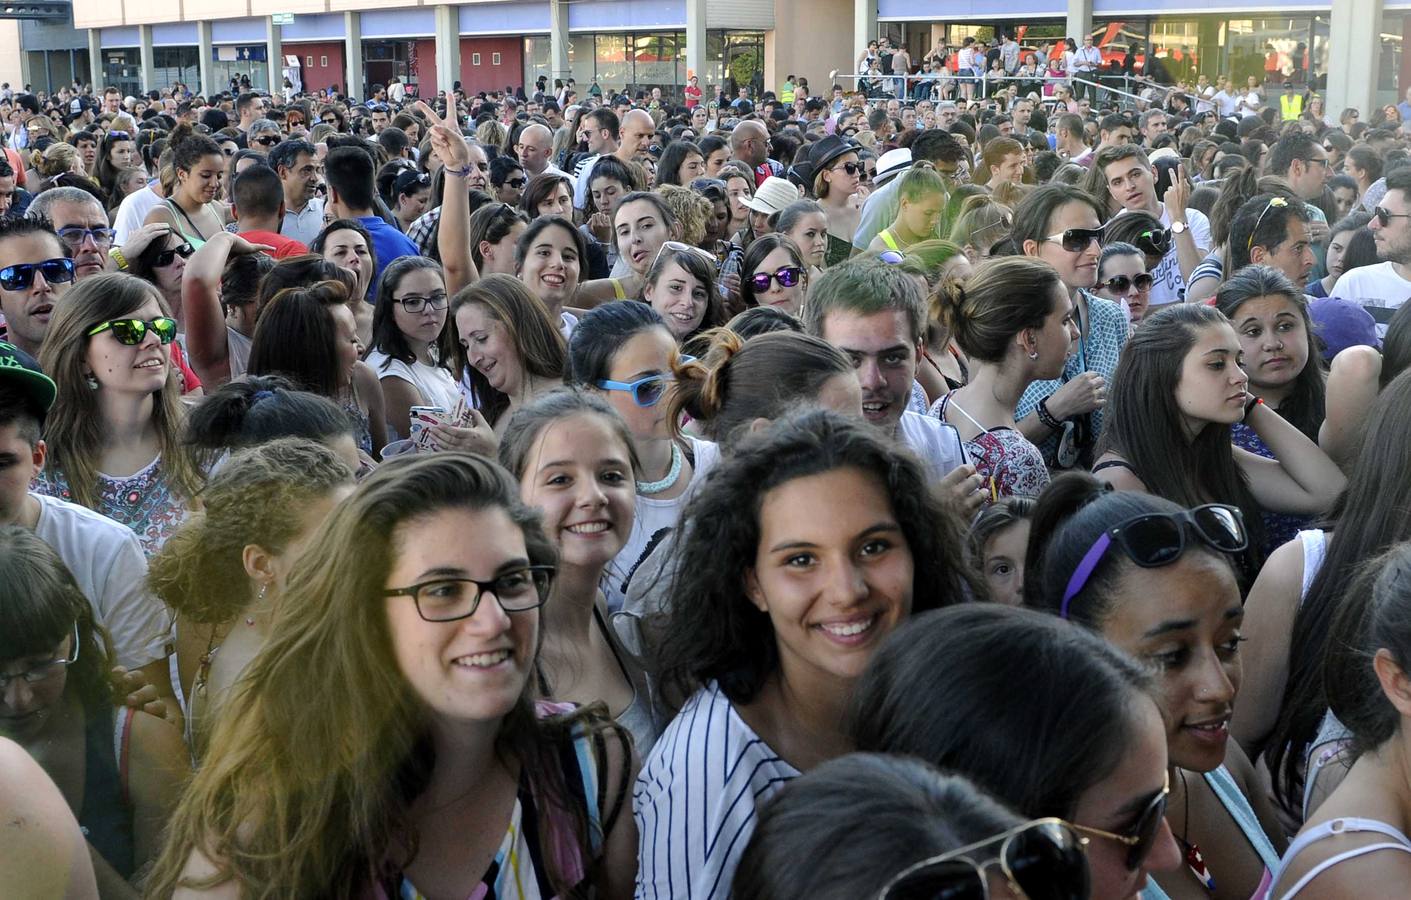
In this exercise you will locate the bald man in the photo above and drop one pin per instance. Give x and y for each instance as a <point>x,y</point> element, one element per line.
<point>636,134</point>
<point>749,143</point>
<point>536,150</point>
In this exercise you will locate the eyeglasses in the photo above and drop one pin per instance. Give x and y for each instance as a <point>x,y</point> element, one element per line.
<point>1076,240</point>
<point>1142,836</point>
<point>19,277</point>
<point>787,277</point>
<point>516,183</point>
<point>1042,860</point>
<point>1384,216</point>
<point>1120,284</point>
<point>267,140</point>
<point>45,670</point>
<point>451,599</point>
<point>1153,540</point>
<point>131,332</point>
<point>414,303</point>
<point>646,392</point>
<point>1274,202</point>
<point>166,257</point>
<point>74,235</point>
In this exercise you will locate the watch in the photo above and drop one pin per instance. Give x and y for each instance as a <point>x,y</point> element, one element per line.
<point>1179,227</point>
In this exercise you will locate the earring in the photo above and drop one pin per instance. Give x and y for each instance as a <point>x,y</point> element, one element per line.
<point>91,381</point>
<point>1033,354</point>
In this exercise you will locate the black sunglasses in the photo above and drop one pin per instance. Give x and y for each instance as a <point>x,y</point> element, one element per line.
<point>267,140</point>
<point>1158,242</point>
<point>516,183</point>
<point>1153,540</point>
<point>787,277</point>
<point>1384,216</point>
<point>851,168</point>
<point>1120,284</point>
<point>1042,860</point>
<point>166,257</point>
<point>1076,240</point>
<point>19,277</point>
<point>1142,836</point>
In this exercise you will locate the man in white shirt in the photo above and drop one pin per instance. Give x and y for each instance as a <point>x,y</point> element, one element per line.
<point>1383,287</point>
<point>1226,99</point>
<point>1132,183</point>
<point>296,163</point>
<point>601,130</point>
<point>103,556</point>
<point>1085,64</point>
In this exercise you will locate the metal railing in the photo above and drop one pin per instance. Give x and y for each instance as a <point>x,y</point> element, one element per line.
<point>1102,87</point>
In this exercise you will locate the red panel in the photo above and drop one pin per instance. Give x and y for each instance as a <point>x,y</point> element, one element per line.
<point>487,76</point>
<point>317,76</point>
<point>426,68</point>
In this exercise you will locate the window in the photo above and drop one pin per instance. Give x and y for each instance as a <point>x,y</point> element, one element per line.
<point>1176,46</point>
<point>614,68</point>
<point>309,62</point>
<point>1271,51</point>
<point>654,56</point>
<point>494,59</point>
<point>475,59</point>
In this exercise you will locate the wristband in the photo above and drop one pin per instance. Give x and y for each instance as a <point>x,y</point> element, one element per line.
<point>458,173</point>
<point>1253,402</point>
<point>1046,417</point>
<point>116,255</point>
<point>617,289</point>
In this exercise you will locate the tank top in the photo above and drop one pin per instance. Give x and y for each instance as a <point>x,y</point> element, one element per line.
<point>889,239</point>
<point>1398,842</point>
<point>1009,462</point>
<point>193,237</point>
<point>106,817</point>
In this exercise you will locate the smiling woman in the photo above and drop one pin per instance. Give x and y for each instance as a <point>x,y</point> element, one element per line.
<point>197,164</point>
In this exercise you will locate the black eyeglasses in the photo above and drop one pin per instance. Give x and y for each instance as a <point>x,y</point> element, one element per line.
<point>787,277</point>
<point>45,670</point>
<point>1142,836</point>
<point>1153,540</point>
<point>451,599</point>
<point>19,277</point>
<point>166,257</point>
<point>131,332</point>
<point>415,303</point>
<point>1076,240</point>
<point>1384,216</point>
<point>1042,860</point>
<point>1120,284</point>
<point>74,235</point>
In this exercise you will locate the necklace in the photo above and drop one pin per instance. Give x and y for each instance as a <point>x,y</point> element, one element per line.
<point>1195,861</point>
<point>672,476</point>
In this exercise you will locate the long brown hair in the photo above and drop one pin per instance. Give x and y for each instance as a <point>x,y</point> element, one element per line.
<point>74,428</point>
<point>322,746</point>
<point>536,337</point>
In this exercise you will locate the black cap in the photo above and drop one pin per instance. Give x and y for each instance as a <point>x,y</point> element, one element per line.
<point>21,370</point>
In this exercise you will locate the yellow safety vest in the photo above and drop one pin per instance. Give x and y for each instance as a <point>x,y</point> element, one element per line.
<point>786,94</point>
<point>1292,106</point>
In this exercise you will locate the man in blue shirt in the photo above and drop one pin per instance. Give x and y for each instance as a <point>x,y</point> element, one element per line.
<point>349,172</point>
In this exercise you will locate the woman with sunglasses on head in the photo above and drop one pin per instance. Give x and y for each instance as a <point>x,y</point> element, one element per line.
<point>930,834</point>
<point>120,769</point>
<point>410,192</point>
<point>774,274</point>
<point>1122,277</point>
<point>113,434</point>
<point>224,570</point>
<point>572,455</point>
<point>427,596</point>
<point>509,350</point>
<point>779,599</point>
<point>680,286</point>
<point>1163,583</point>
<point>626,350</point>
<point>1176,392</point>
<point>1062,226</point>
<point>1014,320</point>
<point>1355,844</point>
<point>1280,354</point>
<point>1099,764</point>
<point>190,207</point>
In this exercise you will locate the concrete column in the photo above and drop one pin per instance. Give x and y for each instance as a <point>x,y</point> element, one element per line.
<point>353,55</point>
<point>274,56</point>
<point>1080,19</point>
<point>696,45</point>
<point>95,60</point>
<point>205,58</point>
<point>144,37</point>
<point>558,43</point>
<point>864,29</point>
<point>1354,43</point>
<point>448,48</point>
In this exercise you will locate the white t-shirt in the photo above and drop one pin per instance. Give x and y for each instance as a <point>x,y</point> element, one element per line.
<point>396,92</point>
<point>1376,286</point>
<point>1226,103</point>
<point>937,443</point>
<point>435,384</point>
<point>106,561</point>
<point>582,176</point>
<point>1168,286</point>
<point>132,211</point>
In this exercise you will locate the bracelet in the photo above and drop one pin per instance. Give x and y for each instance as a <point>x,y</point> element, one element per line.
<point>617,289</point>
<point>459,173</point>
<point>116,255</point>
<point>1253,402</point>
<point>1046,417</point>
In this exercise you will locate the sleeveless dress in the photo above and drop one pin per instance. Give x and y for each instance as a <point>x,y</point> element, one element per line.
<point>839,249</point>
<point>1397,841</point>
<point>1009,463</point>
<point>520,869</point>
<point>1235,803</point>
<point>106,816</point>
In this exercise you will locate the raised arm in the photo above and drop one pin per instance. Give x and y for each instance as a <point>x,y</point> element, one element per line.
<point>206,342</point>
<point>1300,479</point>
<point>453,235</point>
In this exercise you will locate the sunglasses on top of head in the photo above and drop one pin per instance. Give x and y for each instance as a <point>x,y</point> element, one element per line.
<point>131,332</point>
<point>1041,860</point>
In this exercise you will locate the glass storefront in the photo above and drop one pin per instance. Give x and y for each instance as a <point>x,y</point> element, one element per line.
<point>383,59</point>
<point>232,62</point>
<point>122,69</point>
<point>175,64</point>
<point>50,70</point>
<point>641,61</point>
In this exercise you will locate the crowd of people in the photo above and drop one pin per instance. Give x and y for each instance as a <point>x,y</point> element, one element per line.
<point>519,495</point>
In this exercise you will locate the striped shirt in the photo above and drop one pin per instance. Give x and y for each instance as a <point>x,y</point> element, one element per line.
<point>696,798</point>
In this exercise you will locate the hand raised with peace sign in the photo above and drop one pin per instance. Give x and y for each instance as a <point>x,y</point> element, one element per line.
<point>446,139</point>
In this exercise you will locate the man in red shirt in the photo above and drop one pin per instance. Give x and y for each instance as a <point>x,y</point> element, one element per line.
<point>259,210</point>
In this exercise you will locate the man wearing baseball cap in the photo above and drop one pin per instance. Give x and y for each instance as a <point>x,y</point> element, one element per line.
<point>104,556</point>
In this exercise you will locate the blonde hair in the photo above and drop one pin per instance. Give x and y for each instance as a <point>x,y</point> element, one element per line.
<point>691,209</point>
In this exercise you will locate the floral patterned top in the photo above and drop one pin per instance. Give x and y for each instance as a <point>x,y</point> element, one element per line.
<point>1009,463</point>
<point>145,501</point>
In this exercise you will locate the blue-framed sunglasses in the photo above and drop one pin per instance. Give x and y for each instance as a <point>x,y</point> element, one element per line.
<point>646,392</point>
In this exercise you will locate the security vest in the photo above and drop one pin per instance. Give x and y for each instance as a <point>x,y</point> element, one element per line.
<point>1291,106</point>
<point>786,95</point>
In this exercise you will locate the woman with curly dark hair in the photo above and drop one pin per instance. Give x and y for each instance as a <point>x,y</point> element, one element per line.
<point>780,599</point>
